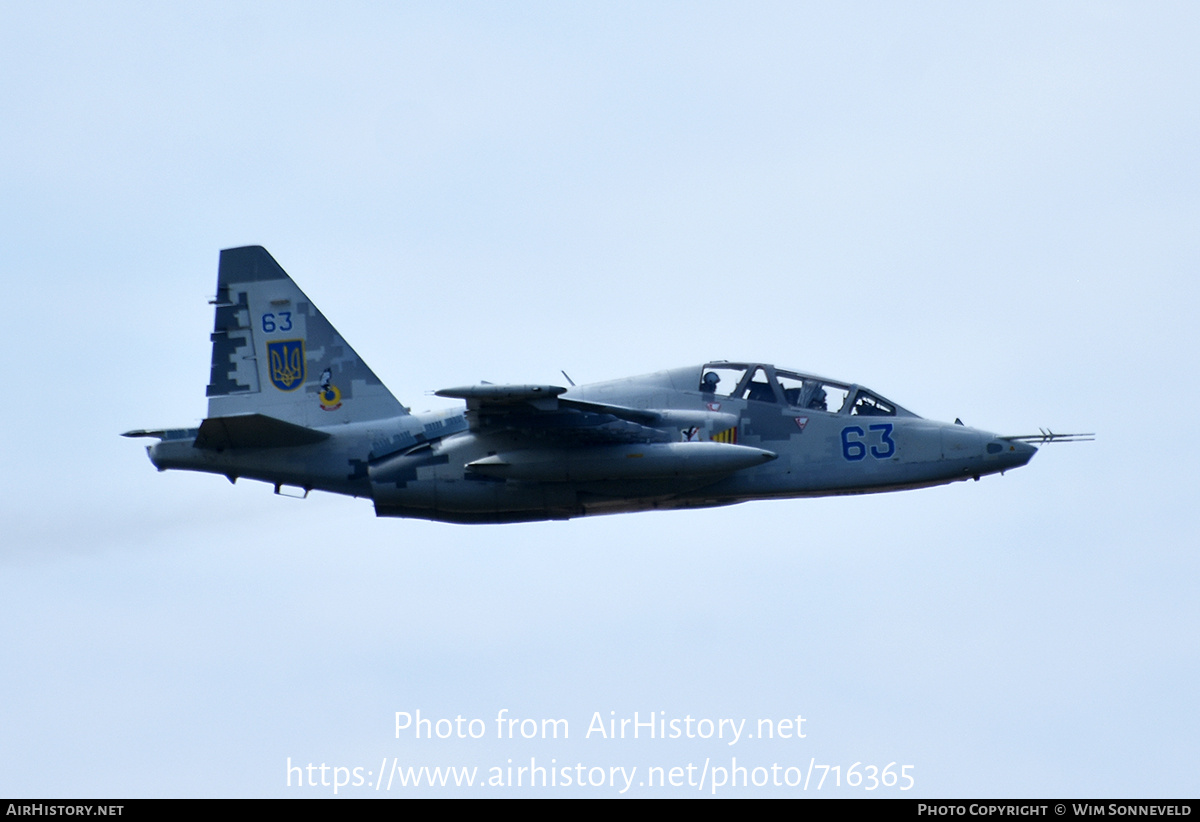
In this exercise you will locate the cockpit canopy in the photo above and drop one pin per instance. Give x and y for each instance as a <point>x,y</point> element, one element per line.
<point>766,383</point>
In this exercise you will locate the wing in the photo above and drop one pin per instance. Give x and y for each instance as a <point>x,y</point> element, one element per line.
<point>538,411</point>
<point>541,409</point>
<point>546,437</point>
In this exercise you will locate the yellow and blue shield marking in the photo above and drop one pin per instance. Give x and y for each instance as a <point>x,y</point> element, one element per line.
<point>286,364</point>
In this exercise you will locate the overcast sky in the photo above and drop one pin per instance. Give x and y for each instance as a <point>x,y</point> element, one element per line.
<point>985,211</point>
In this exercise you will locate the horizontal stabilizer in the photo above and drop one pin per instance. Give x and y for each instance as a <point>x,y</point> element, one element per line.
<point>253,431</point>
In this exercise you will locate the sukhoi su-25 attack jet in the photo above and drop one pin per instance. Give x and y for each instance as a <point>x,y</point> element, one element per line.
<point>291,403</point>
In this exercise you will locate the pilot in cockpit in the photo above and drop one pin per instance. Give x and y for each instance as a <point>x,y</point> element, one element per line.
<point>708,383</point>
<point>818,401</point>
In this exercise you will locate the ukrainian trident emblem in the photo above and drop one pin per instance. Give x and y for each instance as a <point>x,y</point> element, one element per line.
<point>286,363</point>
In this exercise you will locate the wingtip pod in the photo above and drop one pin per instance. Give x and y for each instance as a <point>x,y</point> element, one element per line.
<point>275,354</point>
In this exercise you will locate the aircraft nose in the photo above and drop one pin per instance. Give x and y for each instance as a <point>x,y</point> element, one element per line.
<point>1012,453</point>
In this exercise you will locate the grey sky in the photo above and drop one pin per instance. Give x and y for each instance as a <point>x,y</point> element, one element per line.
<point>987,212</point>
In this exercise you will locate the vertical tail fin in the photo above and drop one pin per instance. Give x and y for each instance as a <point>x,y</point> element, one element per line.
<point>275,354</point>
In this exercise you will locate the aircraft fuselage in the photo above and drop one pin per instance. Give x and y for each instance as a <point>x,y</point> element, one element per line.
<point>291,403</point>
<point>433,466</point>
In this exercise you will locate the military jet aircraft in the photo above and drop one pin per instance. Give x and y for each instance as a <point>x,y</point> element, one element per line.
<point>291,403</point>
